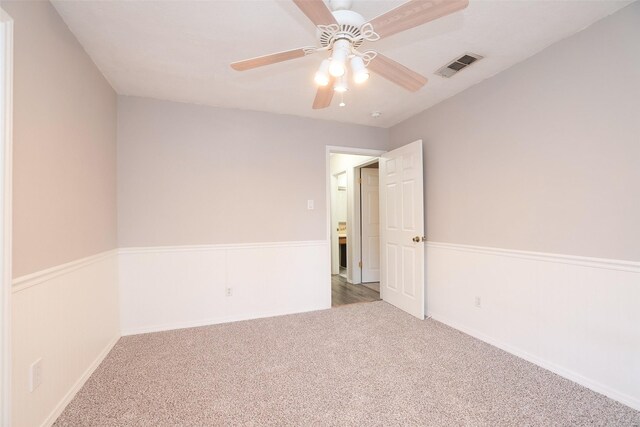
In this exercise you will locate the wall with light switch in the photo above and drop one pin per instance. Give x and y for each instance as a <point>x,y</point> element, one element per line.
<point>222,214</point>
<point>190,174</point>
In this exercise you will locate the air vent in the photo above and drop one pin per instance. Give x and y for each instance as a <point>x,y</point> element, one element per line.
<point>458,64</point>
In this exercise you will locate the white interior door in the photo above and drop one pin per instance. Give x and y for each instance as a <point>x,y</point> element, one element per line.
<point>402,229</point>
<point>369,193</point>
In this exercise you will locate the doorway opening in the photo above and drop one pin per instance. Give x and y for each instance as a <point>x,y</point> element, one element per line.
<point>354,226</point>
<point>400,244</point>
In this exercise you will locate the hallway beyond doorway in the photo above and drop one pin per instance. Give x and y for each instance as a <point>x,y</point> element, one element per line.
<point>343,292</point>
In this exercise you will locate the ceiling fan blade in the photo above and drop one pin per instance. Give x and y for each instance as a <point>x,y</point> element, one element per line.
<point>397,73</point>
<point>324,95</point>
<point>261,61</point>
<point>317,11</point>
<point>414,13</point>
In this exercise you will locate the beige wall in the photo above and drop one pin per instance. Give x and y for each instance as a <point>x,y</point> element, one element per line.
<point>64,145</point>
<point>544,156</point>
<point>191,174</point>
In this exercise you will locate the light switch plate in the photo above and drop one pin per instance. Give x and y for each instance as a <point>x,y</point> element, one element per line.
<point>310,205</point>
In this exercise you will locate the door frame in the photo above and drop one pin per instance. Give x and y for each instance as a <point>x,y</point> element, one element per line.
<point>334,149</point>
<point>6,165</point>
<point>356,232</point>
<point>358,213</point>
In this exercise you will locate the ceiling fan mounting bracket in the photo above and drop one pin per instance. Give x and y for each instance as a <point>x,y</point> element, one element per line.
<point>329,34</point>
<point>348,25</point>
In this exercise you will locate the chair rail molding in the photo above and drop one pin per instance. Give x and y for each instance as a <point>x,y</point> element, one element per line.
<point>68,317</point>
<point>544,308</point>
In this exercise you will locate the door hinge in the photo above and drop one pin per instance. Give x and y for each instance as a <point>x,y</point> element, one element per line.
<point>359,180</point>
<point>360,263</point>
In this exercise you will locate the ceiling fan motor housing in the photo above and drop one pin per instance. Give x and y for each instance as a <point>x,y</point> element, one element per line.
<point>348,29</point>
<point>340,4</point>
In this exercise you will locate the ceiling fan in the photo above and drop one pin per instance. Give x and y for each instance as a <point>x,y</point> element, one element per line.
<point>342,32</point>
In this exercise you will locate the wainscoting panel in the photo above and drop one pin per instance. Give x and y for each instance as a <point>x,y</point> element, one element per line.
<point>67,316</point>
<point>578,317</point>
<point>163,288</point>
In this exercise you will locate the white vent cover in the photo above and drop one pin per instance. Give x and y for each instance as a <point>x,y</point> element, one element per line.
<point>458,64</point>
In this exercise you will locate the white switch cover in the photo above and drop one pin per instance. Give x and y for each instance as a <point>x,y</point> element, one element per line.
<point>35,375</point>
<point>310,205</point>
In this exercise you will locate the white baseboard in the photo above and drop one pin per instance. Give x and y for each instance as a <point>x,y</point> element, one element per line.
<point>79,383</point>
<point>67,317</point>
<point>541,307</point>
<point>563,372</point>
<point>574,316</point>
<point>209,322</point>
<point>164,288</point>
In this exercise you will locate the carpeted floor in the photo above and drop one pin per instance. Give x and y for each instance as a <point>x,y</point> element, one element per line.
<point>363,364</point>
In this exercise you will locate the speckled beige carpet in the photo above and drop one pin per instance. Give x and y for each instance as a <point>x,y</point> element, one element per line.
<point>364,364</point>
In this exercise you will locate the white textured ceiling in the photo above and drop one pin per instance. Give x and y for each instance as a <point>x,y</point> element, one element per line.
<point>181,50</point>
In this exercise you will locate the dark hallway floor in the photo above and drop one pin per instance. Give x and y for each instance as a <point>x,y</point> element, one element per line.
<point>343,292</point>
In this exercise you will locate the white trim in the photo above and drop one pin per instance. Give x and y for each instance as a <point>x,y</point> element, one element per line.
<point>356,232</point>
<point>23,282</point>
<point>603,263</point>
<point>184,286</point>
<point>79,383</point>
<point>191,248</point>
<point>329,149</point>
<point>208,322</point>
<point>566,373</point>
<point>7,167</point>
<point>353,150</point>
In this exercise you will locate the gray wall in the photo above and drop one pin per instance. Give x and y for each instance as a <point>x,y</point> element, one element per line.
<point>544,156</point>
<point>191,174</point>
<point>64,163</point>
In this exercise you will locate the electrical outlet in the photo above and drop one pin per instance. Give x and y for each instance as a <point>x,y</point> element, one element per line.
<point>35,375</point>
<point>478,302</point>
<point>228,292</point>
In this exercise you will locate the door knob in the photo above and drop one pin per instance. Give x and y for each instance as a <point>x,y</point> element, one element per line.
<point>419,239</point>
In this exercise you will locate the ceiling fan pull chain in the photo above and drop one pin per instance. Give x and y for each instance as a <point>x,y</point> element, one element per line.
<point>342,104</point>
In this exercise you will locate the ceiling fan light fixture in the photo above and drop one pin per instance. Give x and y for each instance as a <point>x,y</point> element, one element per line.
<point>360,72</point>
<point>341,85</point>
<point>341,31</point>
<point>338,66</point>
<point>322,77</point>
